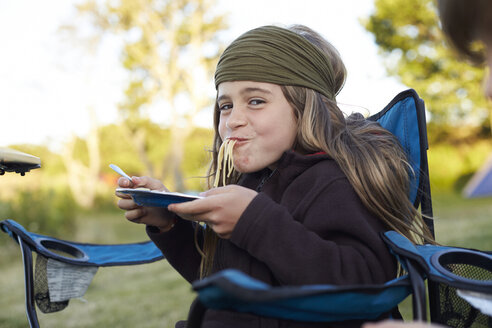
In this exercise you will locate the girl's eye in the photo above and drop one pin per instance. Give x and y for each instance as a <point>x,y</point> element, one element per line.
<point>225,107</point>
<point>256,102</point>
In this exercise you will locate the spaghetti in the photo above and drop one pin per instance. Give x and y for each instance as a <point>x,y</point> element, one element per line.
<point>225,168</point>
<point>225,163</point>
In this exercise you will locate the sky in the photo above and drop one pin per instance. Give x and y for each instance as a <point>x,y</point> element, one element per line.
<point>49,85</point>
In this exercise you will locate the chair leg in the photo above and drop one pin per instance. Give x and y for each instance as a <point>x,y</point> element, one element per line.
<point>29,284</point>
<point>419,301</point>
<point>195,317</point>
<point>434,302</point>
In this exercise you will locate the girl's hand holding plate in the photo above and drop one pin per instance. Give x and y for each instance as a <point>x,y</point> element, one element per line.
<point>153,216</point>
<point>220,208</point>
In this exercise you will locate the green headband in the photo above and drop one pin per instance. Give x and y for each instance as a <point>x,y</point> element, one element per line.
<point>276,55</point>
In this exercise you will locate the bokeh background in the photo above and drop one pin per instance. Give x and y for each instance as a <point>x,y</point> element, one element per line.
<point>87,83</point>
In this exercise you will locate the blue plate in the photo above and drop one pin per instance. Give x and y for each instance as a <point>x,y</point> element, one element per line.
<point>154,198</point>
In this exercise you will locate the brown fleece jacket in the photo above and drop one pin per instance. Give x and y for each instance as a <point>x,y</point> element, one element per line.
<point>306,226</point>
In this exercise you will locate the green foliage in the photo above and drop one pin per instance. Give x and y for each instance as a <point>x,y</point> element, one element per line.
<point>157,145</point>
<point>452,165</point>
<point>81,150</point>
<point>414,48</point>
<point>117,148</point>
<point>197,158</point>
<point>48,211</point>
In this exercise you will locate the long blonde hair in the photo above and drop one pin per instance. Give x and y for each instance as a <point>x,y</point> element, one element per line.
<point>370,156</point>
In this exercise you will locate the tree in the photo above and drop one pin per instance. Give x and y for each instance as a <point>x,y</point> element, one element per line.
<point>83,179</point>
<point>170,50</point>
<point>415,50</point>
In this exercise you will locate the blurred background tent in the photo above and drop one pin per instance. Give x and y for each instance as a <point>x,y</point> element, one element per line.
<point>480,185</point>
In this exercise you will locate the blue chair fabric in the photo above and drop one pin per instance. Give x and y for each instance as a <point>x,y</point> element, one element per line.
<point>404,116</point>
<point>84,254</point>
<point>233,290</point>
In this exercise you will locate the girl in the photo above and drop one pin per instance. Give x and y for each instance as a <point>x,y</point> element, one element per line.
<point>311,190</point>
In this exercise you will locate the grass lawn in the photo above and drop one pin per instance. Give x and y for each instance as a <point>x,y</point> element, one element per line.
<point>153,295</point>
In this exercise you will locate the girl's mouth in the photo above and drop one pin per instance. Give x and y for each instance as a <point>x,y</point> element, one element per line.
<point>238,140</point>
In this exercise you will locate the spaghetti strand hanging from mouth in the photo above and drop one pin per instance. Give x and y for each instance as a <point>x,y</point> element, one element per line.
<point>225,162</point>
<point>225,168</point>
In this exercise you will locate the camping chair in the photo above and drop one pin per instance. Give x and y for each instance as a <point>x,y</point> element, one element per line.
<point>71,266</point>
<point>231,290</point>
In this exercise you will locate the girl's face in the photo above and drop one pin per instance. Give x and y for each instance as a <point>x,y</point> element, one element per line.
<point>260,119</point>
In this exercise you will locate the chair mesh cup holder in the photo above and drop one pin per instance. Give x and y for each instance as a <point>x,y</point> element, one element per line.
<point>55,280</point>
<point>468,269</point>
<point>60,250</point>
<point>462,270</point>
<point>41,288</point>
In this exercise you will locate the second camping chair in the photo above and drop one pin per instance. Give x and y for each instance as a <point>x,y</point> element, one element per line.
<point>64,269</point>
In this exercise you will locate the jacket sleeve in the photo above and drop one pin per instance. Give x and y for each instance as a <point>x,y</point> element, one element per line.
<point>330,238</point>
<point>178,246</point>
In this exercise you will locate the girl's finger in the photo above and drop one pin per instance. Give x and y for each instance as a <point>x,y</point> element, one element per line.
<point>147,182</point>
<point>135,214</point>
<point>127,204</point>
<point>122,195</point>
<point>124,183</point>
<point>195,207</point>
<point>189,217</point>
<point>211,192</point>
<point>219,190</point>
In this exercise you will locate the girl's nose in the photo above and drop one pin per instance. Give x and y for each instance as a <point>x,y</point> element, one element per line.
<point>235,119</point>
